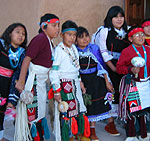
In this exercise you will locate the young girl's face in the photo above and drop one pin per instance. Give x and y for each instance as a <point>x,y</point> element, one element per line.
<point>118,21</point>
<point>138,39</point>
<point>52,30</point>
<point>17,36</point>
<point>83,41</point>
<point>69,38</point>
<point>147,30</point>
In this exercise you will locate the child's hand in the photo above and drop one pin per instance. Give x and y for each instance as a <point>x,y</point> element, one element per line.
<point>19,86</point>
<point>57,97</point>
<point>82,87</point>
<point>9,105</point>
<point>135,71</point>
<point>109,87</point>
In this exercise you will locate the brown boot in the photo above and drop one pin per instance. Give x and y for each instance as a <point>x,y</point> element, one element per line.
<point>111,129</point>
<point>71,138</point>
<point>93,136</point>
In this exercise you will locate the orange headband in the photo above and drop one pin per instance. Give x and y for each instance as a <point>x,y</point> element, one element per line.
<point>135,30</point>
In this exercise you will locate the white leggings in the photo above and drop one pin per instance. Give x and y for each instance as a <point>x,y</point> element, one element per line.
<point>1,134</point>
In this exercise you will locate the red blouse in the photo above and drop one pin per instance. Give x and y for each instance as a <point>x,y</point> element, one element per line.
<point>124,63</point>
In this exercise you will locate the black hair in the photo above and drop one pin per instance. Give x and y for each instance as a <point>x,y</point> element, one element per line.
<point>69,24</point>
<point>6,35</point>
<point>46,17</point>
<point>81,30</point>
<point>113,12</point>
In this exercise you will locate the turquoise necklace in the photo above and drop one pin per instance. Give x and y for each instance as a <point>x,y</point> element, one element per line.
<point>14,57</point>
<point>145,58</point>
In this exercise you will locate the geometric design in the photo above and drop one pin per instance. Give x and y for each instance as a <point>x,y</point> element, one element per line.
<point>68,87</point>
<point>71,105</point>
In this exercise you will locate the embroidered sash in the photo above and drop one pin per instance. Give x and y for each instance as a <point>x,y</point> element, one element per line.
<point>68,95</point>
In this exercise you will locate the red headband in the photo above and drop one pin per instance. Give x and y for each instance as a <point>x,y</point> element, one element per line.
<point>147,23</point>
<point>49,21</point>
<point>52,21</point>
<point>135,30</point>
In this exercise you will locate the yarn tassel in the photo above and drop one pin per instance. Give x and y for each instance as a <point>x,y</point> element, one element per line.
<point>37,138</point>
<point>22,132</point>
<point>65,129</point>
<point>33,130</point>
<point>45,128</point>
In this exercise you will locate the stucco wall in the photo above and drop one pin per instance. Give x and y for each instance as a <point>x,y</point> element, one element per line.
<point>88,13</point>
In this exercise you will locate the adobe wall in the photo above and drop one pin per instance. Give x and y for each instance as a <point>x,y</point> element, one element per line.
<point>88,13</point>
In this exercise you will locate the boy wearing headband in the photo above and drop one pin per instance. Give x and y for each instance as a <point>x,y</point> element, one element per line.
<point>134,90</point>
<point>66,84</point>
<point>146,28</point>
<point>39,61</point>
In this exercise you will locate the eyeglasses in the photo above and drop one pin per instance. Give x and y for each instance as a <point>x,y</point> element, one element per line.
<point>139,34</point>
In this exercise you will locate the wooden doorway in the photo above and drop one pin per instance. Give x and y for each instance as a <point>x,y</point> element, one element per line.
<point>134,11</point>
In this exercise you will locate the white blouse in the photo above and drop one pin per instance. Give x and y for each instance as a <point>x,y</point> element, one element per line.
<point>100,40</point>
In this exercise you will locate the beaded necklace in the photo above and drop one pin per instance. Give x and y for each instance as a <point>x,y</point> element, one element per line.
<point>14,57</point>
<point>75,60</point>
<point>145,58</point>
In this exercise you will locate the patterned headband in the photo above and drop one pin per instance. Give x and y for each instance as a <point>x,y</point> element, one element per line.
<point>49,21</point>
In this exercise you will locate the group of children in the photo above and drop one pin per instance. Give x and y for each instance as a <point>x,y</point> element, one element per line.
<point>76,68</point>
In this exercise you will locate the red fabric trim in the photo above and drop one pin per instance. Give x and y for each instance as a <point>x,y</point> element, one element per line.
<point>6,72</point>
<point>50,93</point>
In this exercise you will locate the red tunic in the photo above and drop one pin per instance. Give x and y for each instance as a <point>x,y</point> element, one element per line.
<point>147,41</point>
<point>124,62</point>
<point>39,50</point>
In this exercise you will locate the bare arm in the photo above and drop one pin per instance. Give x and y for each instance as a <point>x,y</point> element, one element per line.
<point>24,68</point>
<point>111,66</point>
<point>108,84</point>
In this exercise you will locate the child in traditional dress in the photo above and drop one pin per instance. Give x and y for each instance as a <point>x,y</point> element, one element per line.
<point>111,38</point>
<point>95,79</point>
<point>134,88</point>
<point>146,27</point>
<point>66,84</point>
<point>12,51</point>
<point>38,60</point>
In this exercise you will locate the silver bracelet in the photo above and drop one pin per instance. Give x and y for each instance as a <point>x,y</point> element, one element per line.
<point>57,94</point>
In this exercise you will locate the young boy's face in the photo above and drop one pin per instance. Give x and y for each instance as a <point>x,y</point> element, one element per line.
<point>69,38</point>
<point>138,39</point>
<point>83,41</point>
<point>147,30</point>
<point>52,30</point>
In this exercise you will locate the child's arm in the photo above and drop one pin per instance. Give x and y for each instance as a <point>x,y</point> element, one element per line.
<point>10,105</point>
<point>108,84</point>
<point>24,68</point>
<point>111,66</point>
<point>82,87</point>
<point>123,65</point>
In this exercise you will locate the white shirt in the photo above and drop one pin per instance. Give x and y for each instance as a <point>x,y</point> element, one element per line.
<point>66,68</point>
